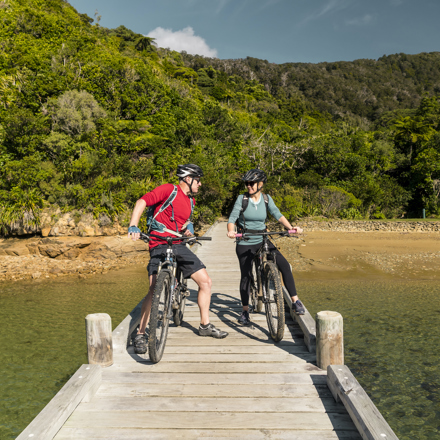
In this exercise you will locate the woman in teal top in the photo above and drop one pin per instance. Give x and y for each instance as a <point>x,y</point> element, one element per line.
<point>253,218</point>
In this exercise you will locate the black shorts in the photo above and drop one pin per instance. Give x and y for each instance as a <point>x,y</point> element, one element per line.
<point>187,260</point>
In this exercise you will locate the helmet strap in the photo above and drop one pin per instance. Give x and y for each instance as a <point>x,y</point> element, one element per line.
<point>257,191</point>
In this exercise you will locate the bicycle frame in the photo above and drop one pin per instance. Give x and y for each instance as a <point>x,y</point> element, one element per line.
<point>261,256</point>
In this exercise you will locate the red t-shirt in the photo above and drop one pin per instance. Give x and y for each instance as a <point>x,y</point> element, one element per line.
<point>181,205</point>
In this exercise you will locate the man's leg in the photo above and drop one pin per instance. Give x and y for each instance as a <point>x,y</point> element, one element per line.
<point>140,340</point>
<point>146,306</point>
<point>204,282</point>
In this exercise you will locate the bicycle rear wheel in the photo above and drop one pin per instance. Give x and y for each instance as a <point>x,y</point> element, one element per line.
<point>159,318</point>
<point>274,303</point>
<point>255,289</point>
<point>181,301</point>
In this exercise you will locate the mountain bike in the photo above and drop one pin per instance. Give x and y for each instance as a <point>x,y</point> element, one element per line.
<point>169,295</point>
<point>265,286</point>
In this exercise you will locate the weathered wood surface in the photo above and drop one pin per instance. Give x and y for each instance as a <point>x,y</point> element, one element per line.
<point>329,339</point>
<point>365,415</point>
<point>80,387</point>
<point>99,339</point>
<point>242,386</point>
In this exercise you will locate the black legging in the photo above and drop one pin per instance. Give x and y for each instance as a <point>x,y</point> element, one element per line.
<point>245,256</point>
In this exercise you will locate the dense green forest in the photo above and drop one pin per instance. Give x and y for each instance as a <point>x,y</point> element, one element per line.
<point>92,118</point>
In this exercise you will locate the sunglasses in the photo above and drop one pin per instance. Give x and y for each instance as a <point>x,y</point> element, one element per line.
<point>250,183</point>
<point>196,179</point>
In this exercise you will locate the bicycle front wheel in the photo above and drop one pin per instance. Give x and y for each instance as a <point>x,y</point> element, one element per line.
<point>255,289</point>
<point>159,318</point>
<point>274,303</point>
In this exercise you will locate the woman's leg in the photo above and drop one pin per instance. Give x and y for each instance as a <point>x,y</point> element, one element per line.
<point>245,256</point>
<point>289,282</point>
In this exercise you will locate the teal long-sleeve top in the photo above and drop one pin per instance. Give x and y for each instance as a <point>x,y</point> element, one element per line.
<point>254,215</point>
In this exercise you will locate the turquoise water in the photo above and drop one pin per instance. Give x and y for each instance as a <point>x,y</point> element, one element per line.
<point>391,340</point>
<point>391,332</point>
<point>43,338</point>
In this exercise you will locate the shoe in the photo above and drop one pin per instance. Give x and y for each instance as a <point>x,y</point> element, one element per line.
<point>298,307</point>
<point>244,318</point>
<point>140,344</point>
<point>212,331</point>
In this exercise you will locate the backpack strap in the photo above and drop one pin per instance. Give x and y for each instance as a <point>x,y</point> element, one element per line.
<point>155,225</point>
<point>245,203</point>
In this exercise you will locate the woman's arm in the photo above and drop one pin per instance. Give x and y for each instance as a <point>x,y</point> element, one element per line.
<point>283,220</point>
<point>235,213</point>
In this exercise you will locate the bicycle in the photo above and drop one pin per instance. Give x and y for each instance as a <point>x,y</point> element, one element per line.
<point>169,295</point>
<point>265,286</point>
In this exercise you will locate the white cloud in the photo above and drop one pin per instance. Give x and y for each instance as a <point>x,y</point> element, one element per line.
<point>182,40</point>
<point>366,19</point>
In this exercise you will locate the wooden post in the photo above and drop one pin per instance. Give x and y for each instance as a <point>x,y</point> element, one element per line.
<point>99,339</point>
<point>329,339</point>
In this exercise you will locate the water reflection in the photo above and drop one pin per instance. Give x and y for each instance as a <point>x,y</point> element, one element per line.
<point>43,336</point>
<point>391,331</point>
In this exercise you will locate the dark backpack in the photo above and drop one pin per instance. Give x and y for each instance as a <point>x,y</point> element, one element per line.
<point>244,205</point>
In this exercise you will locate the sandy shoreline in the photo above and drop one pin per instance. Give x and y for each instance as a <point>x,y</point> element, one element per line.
<point>323,254</point>
<point>365,254</point>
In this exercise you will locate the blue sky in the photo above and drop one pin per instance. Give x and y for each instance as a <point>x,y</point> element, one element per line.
<point>279,31</point>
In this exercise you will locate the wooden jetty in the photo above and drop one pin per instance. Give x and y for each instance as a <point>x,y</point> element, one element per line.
<point>244,386</point>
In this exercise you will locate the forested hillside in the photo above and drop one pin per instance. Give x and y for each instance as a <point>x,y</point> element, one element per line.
<point>92,118</point>
<point>353,91</point>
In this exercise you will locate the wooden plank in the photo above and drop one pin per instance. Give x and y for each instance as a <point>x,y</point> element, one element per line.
<point>226,358</point>
<point>82,385</point>
<point>301,377</point>
<point>141,389</point>
<point>367,418</point>
<point>215,404</point>
<point>236,350</point>
<point>223,368</point>
<point>306,322</point>
<point>202,434</point>
<point>208,420</point>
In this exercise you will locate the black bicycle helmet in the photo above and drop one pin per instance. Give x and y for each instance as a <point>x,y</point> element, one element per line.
<point>255,175</point>
<point>189,170</point>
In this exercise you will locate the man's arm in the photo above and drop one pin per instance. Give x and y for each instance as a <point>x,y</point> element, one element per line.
<point>136,216</point>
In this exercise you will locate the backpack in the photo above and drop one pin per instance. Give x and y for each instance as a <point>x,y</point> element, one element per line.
<point>154,225</point>
<point>244,205</point>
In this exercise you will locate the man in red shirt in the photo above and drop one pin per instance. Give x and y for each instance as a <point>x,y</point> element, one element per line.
<point>171,221</point>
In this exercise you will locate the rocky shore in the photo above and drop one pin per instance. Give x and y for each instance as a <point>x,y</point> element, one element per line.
<point>406,248</point>
<point>39,258</point>
<point>370,225</point>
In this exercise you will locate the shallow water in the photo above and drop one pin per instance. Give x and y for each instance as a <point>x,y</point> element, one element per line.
<point>43,340</point>
<point>391,341</point>
<point>391,332</point>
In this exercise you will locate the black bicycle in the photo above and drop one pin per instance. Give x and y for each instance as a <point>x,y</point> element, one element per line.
<point>266,287</point>
<point>169,295</point>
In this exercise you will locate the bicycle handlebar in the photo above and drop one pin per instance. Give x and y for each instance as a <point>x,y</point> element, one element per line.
<point>185,238</point>
<point>248,234</point>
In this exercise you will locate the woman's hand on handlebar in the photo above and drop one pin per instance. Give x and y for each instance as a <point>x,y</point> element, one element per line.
<point>295,230</point>
<point>231,234</point>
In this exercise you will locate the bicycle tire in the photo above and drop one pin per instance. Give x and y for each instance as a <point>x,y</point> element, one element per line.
<point>159,317</point>
<point>255,289</point>
<point>178,313</point>
<point>274,303</point>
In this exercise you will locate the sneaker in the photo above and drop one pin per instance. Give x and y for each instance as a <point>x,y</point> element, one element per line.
<point>244,318</point>
<point>140,344</point>
<point>298,307</point>
<point>212,331</point>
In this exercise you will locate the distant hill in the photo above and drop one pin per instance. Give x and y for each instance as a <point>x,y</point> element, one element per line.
<point>365,88</point>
